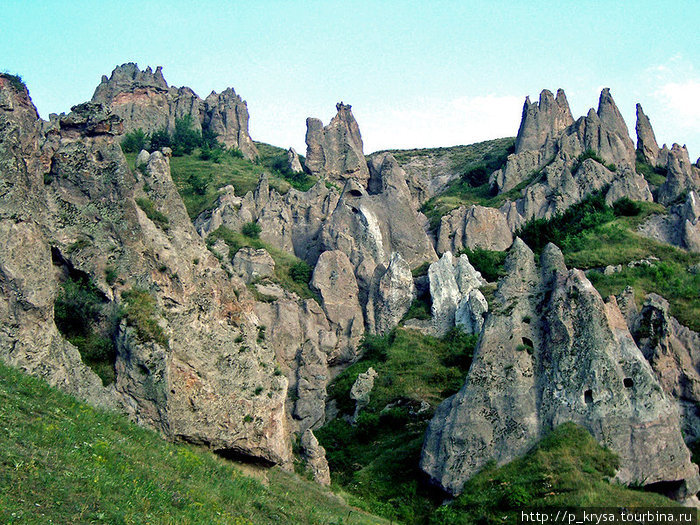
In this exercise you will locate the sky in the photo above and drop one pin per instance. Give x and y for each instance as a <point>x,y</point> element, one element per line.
<point>418,74</point>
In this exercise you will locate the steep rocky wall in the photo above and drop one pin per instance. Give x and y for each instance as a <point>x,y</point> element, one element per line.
<point>70,196</point>
<point>552,351</point>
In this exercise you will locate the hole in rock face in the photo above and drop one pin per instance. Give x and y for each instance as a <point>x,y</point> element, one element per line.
<point>528,342</point>
<point>628,382</point>
<point>588,396</point>
<point>355,193</point>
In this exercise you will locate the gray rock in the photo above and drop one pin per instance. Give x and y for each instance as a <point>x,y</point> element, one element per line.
<point>293,161</point>
<point>335,151</point>
<point>647,146</point>
<point>474,227</point>
<point>335,282</point>
<point>315,456</point>
<point>681,176</point>
<point>226,114</point>
<point>554,352</point>
<point>680,226</point>
<point>391,295</point>
<point>471,311</point>
<point>252,264</point>
<point>361,389</point>
<point>542,122</point>
<point>142,158</point>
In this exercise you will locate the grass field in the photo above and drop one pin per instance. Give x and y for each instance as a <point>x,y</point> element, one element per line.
<point>62,461</point>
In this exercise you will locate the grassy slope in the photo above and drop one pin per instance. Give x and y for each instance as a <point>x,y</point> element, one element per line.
<point>241,173</point>
<point>377,459</point>
<point>62,461</point>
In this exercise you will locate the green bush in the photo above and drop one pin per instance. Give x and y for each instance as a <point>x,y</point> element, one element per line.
<point>476,176</point>
<point>626,207</point>
<point>15,81</point>
<point>134,141</point>
<point>300,272</point>
<point>160,139</point>
<point>251,229</point>
<point>489,262</point>
<point>185,139</point>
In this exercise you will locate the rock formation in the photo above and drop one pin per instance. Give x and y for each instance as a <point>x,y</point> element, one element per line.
<point>293,161</point>
<point>71,209</point>
<point>361,389</point>
<point>559,163</point>
<point>553,351</point>
<point>144,100</point>
<point>390,296</point>
<point>451,283</point>
<point>681,176</point>
<point>647,147</point>
<point>335,151</point>
<point>680,226</point>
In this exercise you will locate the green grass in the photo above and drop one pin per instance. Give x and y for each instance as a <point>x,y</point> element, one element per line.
<point>377,460</point>
<point>198,181</point>
<point>489,262</point>
<point>654,175</point>
<point>62,461</point>
<point>141,312</point>
<point>568,468</point>
<point>291,273</point>
<point>149,208</point>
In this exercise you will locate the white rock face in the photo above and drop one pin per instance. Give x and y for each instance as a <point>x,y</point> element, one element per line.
<point>451,281</point>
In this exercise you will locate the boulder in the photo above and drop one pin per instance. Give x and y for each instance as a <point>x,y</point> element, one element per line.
<point>252,264</point>
<point>293,161</point>
<point>361,389</point>
<point>315,456</point>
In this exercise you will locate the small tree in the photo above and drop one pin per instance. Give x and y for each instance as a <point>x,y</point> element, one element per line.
<point>160,139</point>
<point>251,229</point>
<point>135,141</point>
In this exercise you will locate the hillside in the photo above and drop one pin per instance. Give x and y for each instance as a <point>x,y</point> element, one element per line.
<point>62,461</point>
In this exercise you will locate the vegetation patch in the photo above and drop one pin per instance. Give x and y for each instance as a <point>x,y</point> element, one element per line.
<point>567,468</point>
<point>291,273</point>
<point>489,263</point>
<point>88,321</point>
<point>141,312</point>
<point>15,81</point>
<point>62,461</point>
<point>377,459</point>
<point>149,208</point>
<point>654,175</point>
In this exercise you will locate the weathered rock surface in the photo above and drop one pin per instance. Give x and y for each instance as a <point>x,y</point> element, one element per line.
<point>555,352</point>
<point>335,282</point>
<point>335,151</point>
<point>451,282</point>
<point>474,227</point>
<point>681,177</point>
<point>144,100</point>
<point>391,295</point>
<point>361,389</point>
<point>293,161</point>
<point>542,121</point>
<point>315,456</point>
<point>673,351</point>
<point>252,264</point>
<point>68,207</point>
<point>680,226</point>
<point>647,146</point>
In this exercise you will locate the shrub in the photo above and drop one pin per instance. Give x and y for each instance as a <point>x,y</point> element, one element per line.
<point>251,229</point>
<point>300,272</point>
<point>160,139</point>
<point>16,82</point>
<point>110,275</point>
<point>476,176</point>
<point>184,138</point>
<point>198,182</point>
<point>626,207</point>
<point>134,141</point>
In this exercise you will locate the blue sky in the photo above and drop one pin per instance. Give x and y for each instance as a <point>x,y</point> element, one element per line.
<point>417,73</point>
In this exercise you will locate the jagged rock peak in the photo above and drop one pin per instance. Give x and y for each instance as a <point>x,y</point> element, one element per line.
<point>646,140</point>
<point>542,120</point>
<point>336,150</point>
<point>293,161</point>
<point>681,176</point>
<point>609,114</point>
<point>128,77</point>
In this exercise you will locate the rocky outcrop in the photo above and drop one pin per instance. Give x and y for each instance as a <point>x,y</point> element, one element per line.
<point>144,101</point>
<point>647,146</point>
<point>335,282</point>
<point>361,389</point>
<point>293,161</point>
<point>452,282</point>
<point>680,226</point>
<point>474,227</point>
<point>542,122</point>
<point>226,114</point>
<point>197,370</point>
<point>391,294</point>
<point>553,351</point>
<point>559,163</point>
<point>251,264</point>
<point>315,456</point>
<point>674,353</point>
<point>335,151</point>
<point>681,176</point>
